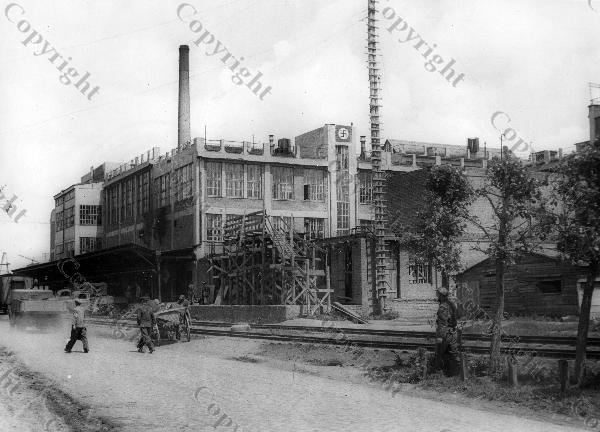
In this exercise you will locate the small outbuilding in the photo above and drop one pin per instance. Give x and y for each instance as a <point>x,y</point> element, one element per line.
<point>535,285</point>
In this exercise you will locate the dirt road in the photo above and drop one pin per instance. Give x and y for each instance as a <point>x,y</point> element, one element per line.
<point>210,385</point>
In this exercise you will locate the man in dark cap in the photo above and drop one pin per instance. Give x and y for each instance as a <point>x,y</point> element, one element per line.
<point>146,320</point>
<point>78,330</point>
<point>446,335</point>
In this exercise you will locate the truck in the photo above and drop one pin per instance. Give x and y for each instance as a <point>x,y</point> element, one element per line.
<point>9,282</point>
<point>38,308</point>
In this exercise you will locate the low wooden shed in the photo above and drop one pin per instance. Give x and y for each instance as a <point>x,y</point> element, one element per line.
<point>535,285</point>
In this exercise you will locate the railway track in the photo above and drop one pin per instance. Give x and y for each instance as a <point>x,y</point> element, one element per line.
<point>543,346</point>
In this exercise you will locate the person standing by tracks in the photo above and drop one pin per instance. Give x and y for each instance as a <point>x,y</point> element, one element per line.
<point>146,320</point>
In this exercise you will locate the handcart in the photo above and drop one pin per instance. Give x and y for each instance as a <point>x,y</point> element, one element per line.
<point>171,324</point>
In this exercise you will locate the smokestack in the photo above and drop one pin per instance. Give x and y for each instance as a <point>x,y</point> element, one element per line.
<point>363,148</point>
<point>183,123</point>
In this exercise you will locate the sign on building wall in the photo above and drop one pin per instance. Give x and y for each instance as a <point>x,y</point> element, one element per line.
<point>343,133</point>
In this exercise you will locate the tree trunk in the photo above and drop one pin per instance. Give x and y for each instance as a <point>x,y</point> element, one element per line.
<point>495,358</point>
<point>584,323</point>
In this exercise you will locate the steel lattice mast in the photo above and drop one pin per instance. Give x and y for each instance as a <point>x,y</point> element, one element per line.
<point>381,252</point>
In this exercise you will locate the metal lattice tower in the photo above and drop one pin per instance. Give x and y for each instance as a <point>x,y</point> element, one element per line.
<point>381,252</point>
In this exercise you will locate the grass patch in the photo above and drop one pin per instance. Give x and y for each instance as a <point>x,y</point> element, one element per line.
<point>246,359</point>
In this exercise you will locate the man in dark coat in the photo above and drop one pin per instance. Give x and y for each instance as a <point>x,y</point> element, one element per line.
<point>78,329</point>
<point>146,320</point>
<point>446,335</point>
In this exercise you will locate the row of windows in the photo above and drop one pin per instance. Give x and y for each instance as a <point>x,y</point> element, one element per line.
<point>176,187</point>
<point>65,219</point>
<point>131,195</point>
<point>313,227</point>
<point>68,248</point>
<point>89,244</point>
<point>246,181</point>
<point>65,198</point>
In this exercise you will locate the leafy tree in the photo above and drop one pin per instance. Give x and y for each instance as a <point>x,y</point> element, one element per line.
<point>516,227</point>
<point>435,237</point>
<point>578,190</point>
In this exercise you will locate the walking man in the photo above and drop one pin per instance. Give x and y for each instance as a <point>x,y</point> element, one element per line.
<point>78,330</point>
<point>446,336</point>
<point>146,320</point>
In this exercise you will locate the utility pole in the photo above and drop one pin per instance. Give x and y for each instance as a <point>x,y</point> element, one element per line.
<point>381,252</point>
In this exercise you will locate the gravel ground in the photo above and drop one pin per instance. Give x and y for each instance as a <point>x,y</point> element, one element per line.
<point>220,384</point>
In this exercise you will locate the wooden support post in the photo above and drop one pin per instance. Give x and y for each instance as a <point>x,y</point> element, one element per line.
<point>512,372</point>
<point>464,367</point>
<point>563,374</point>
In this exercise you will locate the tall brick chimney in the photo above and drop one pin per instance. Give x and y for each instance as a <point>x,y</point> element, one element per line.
<point>183,123</point>
<point>594,116</point>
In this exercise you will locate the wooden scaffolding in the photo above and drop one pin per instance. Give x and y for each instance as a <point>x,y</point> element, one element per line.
<point>266,262</point>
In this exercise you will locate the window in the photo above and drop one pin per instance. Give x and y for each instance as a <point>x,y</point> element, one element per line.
<point>365,180</point>
<point>60,221</point>
<point>70,248</point>
<point>254,174</point>
<point>314,185</point>
<point>89,215</point>
<point>314,227</point>
<point>234,180</point>
<point>129,188</point>
<point>60,248</point>
<point>283,183</point>
<point>145,192</point>
<point>213,179</point>
<point>341,158</point>
<point>419,273</point>
<point>550,286</point>
<point>282,223</point>
<point>214,229</point>
<point>114,209</point>
<point>88,244</point>
<point>69,217</point>
<point>163,188</point>
<point>185,180</point>
<point>58,201</point>
<point>69,195</point>
<point>343,218</point>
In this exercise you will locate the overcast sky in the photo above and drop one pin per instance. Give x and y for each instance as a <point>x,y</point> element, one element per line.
<point>530,59</point>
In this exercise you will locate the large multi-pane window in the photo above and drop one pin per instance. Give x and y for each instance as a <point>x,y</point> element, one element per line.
<point>234,180</point>
<point>60,221</point>
<point>214,228</point>
<point>70,248</point>
<point>365,180</point>
<point>183,182</point>
<point>314,227</point>
<point>69,217</point>
<point>113,200</point>
<point>254,177</point>
<point>283,183</point>
<point>89,215</point>
<point>88,244</point>
<point>213,179</point>
<point>129,188</point>
<point>314,185</point>
<point>60,248</point>
<point>282,223</point>
<point>163,189</point>
<point>343,218</point>
<point>419,273</point>
<point>69,195</point>
<point>145,177</point>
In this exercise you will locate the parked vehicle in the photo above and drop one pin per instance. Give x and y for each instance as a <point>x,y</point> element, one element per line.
<point>9,282</point>
<point>36,308</point>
